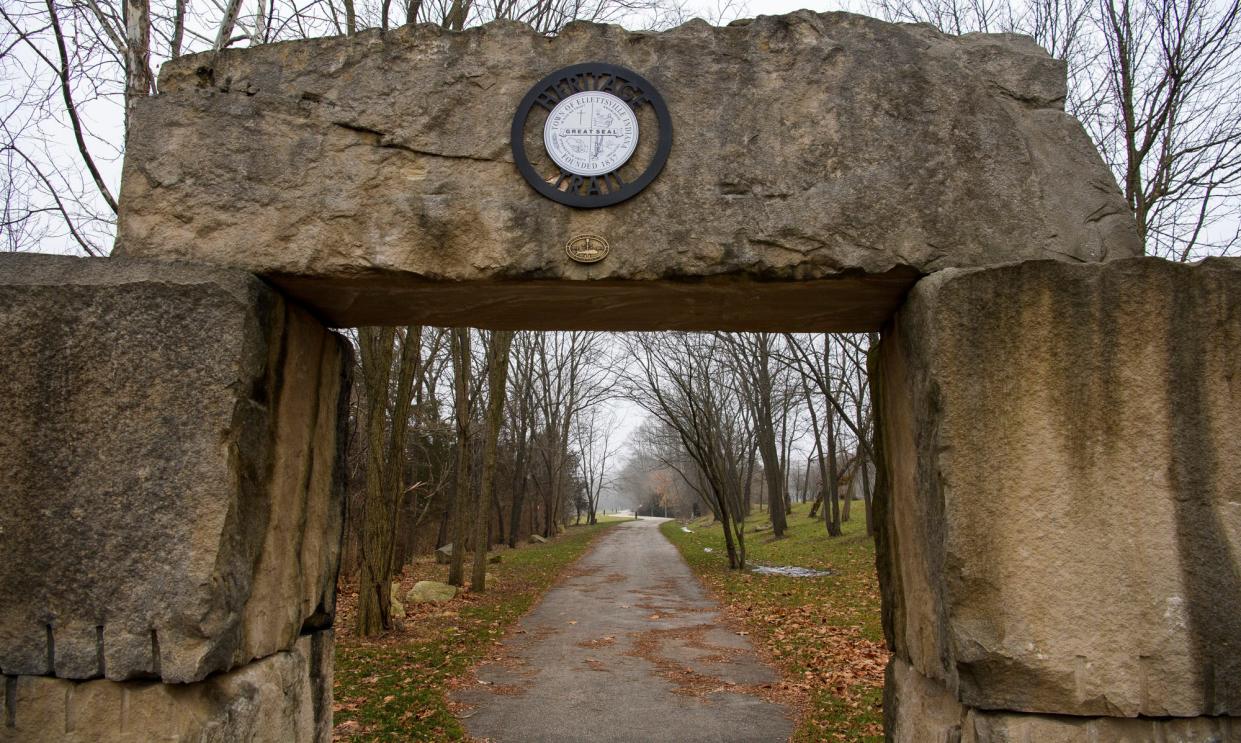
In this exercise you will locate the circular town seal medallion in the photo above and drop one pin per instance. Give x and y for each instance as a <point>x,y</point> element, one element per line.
<point>591,133</point>
<point>587,248</point>
<point>589,115</point>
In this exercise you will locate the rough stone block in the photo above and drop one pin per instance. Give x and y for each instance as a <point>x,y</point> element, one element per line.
<point>284,697</point>
<point>988,727</point>
<point>1063,497</point>
<point>170,503</point>
<point>919,710</point>
<point>371,176</point>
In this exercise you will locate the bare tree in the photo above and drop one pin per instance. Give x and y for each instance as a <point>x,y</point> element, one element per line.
<point>461,490</point>
<point>56,59</point>
<point>1154,83</point>
<point>676,378</point>
<point>387,404</point>
<point>594,436</point>
<point>497,384</point>
<point>1171,124</point>
<point>524,427</point>
<point>855,352</point>
<point>573,375</point>
<point>751,355</point>
<point>837,377</point>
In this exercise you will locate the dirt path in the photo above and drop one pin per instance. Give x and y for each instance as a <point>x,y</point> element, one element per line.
<point>626,648</point>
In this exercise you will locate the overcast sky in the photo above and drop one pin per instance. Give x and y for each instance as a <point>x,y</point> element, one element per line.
<point>779,7</point>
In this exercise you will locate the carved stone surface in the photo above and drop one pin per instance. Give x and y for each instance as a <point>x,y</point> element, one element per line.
<point>170,503</point>
<point>371,176</point>
<point>284,697</point>
<point>1062,524</point>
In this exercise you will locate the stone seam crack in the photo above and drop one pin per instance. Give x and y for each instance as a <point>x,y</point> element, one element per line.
<point>381,139</point>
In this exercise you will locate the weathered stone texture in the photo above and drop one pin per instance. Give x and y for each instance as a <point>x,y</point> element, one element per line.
<point>169,495</point>
<point>986,727</point>
<point>1063,518</point>
<point>922,711</point>
<point>283,698</point>
<point>918,710</point>
<point>806,146</point>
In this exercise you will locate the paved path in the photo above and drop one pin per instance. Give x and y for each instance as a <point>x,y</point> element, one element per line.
<point>625,648</point>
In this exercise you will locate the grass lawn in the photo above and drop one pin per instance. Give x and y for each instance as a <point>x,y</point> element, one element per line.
<point>824,633</point>
<point>393,687</point>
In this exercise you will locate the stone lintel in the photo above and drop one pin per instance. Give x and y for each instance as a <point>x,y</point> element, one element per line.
<point>358,171</point>
<point>852,303</point>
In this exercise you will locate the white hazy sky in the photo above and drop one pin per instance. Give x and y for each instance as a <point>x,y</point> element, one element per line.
<point>779,7</point>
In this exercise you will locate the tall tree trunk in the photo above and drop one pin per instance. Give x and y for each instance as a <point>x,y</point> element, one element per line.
<point>831,514</point>
<point>461,499</point>
<point>817,430</point>
<point>870,526</point>
<point>519,498</point>
<point>786,458</point>
<point>501,533</point>
<point>748,492</point>
<point>178,30</point>
<point>351,18</point>
<point>872,345</point>
<point>522,464</point>
<point>562,450</point>
<point>848,496</point>
<point>740,535</point>
<point>765,431</point>
<point>457,15</point>
<point>497,382</point>
<point>772,476</point>
<point>385,466</point>
<point>805,484</point>
<point>729,546</point>
<point>374,607</point>
<point>137,53</point>
<point>549,508</point>
<point>225,32</point>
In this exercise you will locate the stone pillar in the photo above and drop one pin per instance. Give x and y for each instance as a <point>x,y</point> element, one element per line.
<point>170,504</point>
<point>1061,507</point>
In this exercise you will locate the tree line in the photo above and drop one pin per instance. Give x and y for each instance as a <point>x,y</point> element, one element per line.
<point>740,417</point>
<point>469,438</point>
<point>476,438</point>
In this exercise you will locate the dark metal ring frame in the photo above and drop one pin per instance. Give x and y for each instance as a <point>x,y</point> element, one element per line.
<point>607,197</point>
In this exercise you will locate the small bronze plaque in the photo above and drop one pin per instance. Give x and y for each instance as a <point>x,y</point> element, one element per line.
<point>587,248</point>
